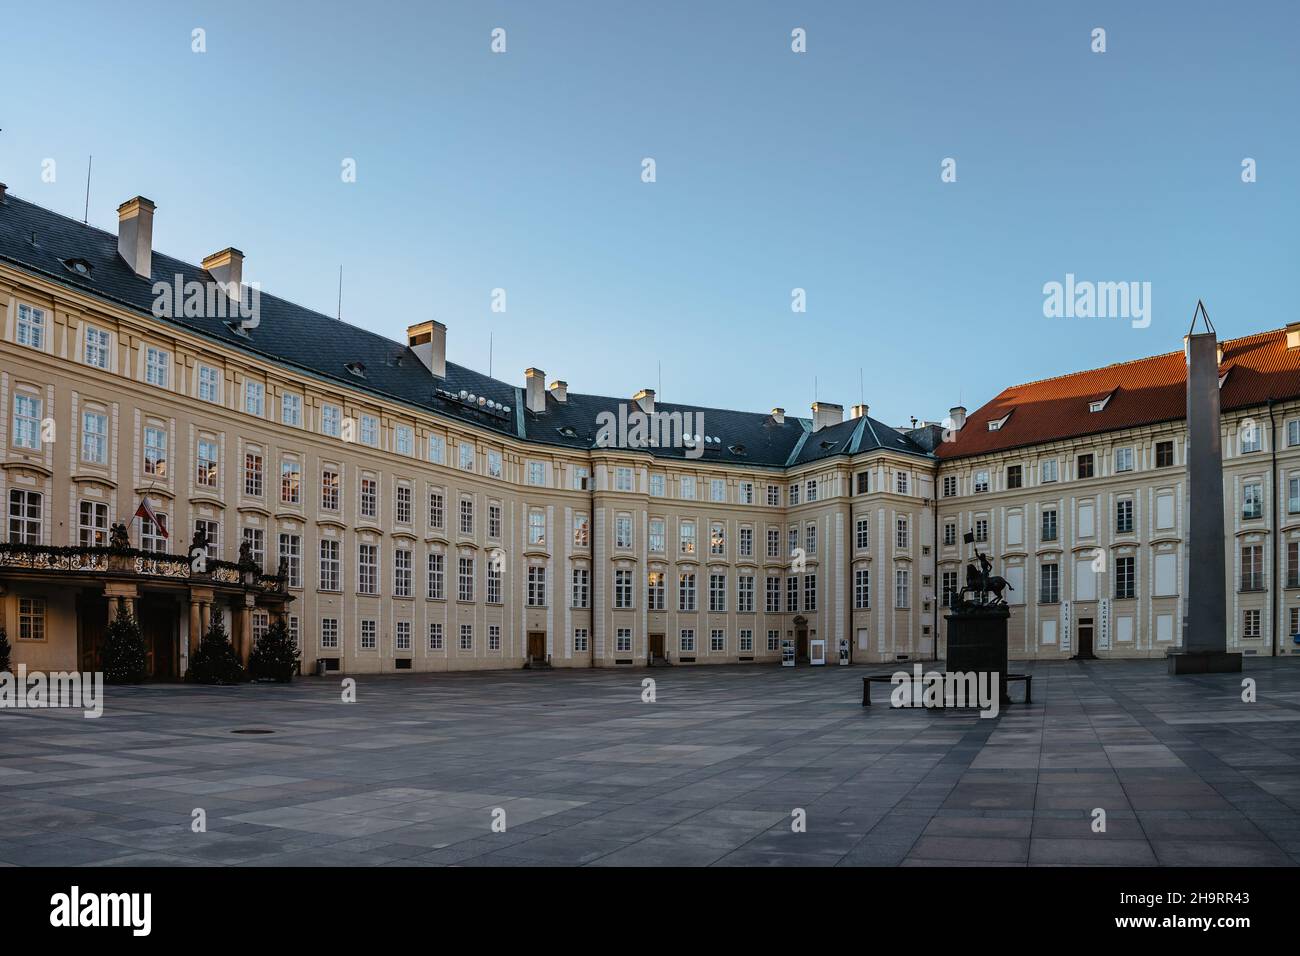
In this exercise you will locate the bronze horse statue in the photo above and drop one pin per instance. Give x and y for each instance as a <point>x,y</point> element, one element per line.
<point>979,584</point>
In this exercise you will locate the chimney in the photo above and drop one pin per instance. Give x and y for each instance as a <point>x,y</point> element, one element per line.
<point>957,415</point>
<point>859,411</point>
<point>778,415</point>
<point>227,268</point>
<point>135,234</point>
<point>1219,354</point>
<point>3,187</point>
<point>535,380</point>
<point>826,413</point>
<point>428,341</point>
<point>1292,329</point>
<point>560,391</point>
<point>645,400</point>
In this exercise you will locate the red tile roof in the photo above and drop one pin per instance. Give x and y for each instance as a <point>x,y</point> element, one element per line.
<point>1145,391</point>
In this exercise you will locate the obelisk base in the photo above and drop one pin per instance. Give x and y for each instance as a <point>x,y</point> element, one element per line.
<point>1204,662</point>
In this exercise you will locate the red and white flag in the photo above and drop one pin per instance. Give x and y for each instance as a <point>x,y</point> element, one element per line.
<point>144,511</point>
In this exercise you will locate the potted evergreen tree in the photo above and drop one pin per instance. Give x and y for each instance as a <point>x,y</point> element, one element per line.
<point>5,651</point>
<point>274,657</point>
<point>215,660</point>
<point>125,657</point>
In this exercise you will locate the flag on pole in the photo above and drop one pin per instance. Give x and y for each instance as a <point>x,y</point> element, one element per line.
<point>968,537</point>
<point>145,511</point>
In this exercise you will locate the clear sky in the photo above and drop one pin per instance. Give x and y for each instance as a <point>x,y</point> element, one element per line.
<point>774,171</point>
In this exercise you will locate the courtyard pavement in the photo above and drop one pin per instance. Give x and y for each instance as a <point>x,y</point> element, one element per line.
<point>710,773</point>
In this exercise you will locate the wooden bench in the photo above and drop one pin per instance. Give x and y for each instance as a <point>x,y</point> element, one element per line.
<point>1008,679</point>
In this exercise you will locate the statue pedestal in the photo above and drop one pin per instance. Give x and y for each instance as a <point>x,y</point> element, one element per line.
<point>1204,662</point>
<point>977,642</point>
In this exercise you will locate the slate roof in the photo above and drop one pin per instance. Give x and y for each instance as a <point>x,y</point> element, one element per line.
<point>41,241</point>
<point>1142,392</point>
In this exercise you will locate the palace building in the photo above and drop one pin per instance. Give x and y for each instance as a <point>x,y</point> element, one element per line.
<point>403,512</point>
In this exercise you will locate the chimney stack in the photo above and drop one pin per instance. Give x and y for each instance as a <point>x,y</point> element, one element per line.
<point>645,400</point>
<point>135,235</point>
<point>428,340</point>
<point>778,415</point>
<point>957,415</point>
<point>227,269</point>
<point>3,187</point>
<point>535,382</point>
<point>859,411</point>
<point>1292,329</point>
<point>826,413</point>
<point>560,391</point>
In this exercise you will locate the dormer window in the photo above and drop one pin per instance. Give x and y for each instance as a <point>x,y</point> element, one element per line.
<point>737,450</point>
<point>356,368</point>
<point>997,423</point>
<point>1099,404</point>
<point>78,266</point>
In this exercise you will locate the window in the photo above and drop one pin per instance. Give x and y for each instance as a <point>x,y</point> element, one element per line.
<point>902,588</point>
<point>402,573</point>
<point>622,588</point>
<point>622,479</point>
<point>331,420</point>
<point>436,589</point>
<point>329,633</point>
<point>25,512</point>
<point>717,538</point>
<point>402,636</point>
<point>687,535</point>
<point>467,516</point>
<point>97,346</point>
<point>27,422</point>
<point>862,483</point>
<point>862,589</point>
<point>623,531</point>
<point>772,595</point>
<point>981,483</point>
<point>1164,454</point>
<point>330,565</point>
<point>465,579</point>
<point>717,489</point>
<point>655,591</point>
<point>157,367</point>
<point>687,486</point>
<point>537,528</point>
<point>1293,565</point>
<point>657,485</point>
<point>205,464</point>
<point>369,431</point>
<point>368,569</point>
<point>1124,516</point>
<point>746,642</point>
<point>951,588</point>
<point>581,478</point>
<point>1293,433</point>
<point>810,539</point>
<point>949,486</point>
<point>290,482</point>
<point>717,592</point>
<point>1049,524</point>
<point>92,524</point>
<point>1252,437</point>
<point>745,492</point>
<point>746,542</point>
<point>436,514</point>
<point>254,398</point>
<point>1250,629</point>
<point>494,637</point>
<point>773,542</point>
<point>291,558</point>
<point>773,496</point>
<point>1252,567</point>
<point>950,533</point>
<point>1085,466</point>
<point>902,536</point>
<point>580,640</point>
<point>494,464</point>
<point>773,640</point>
<point>793,537</point>
<point>687,640</point>
<point>256,540</point>
<point>466,456</point>
<point>31,619</point>
<point>793,494</point>
<point>792,594</point>
<point>31,327</point>
<point>155,452</point>
<point>467,637</point>
<point>252,474</point>
<point>581,531</point>
<point>435,636</point>
<point>291,409</point>
<point>368,504</point>
<point>209,384</point>
<point>153,535</point>
<point>536,592</point>
<point>94,438</point>
<point>900,483</point>
<point>717,641</point>
<point>1252,500</point>
<point>536,473</point>
<point>810,593</point>
<point>686,591</point>
<point>1015,476</point>
<point>404,440</point>
<point>402,504</point>
<point>745,594</point>
<point>1124,579</point>
<point>581,587</point>
<point>437,450</point>
<point>1047,470</point>
<point>1293,496</point>
<point>1123,459</point>
<point>1049,584</point>
<point>369,636</point>
<point>494,521</point>
<point>982,530</point>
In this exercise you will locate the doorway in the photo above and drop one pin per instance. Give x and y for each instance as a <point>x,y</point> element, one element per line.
<point>158,625</point>
<point>537,645</point>
<point>1085,640</point>
<point>801,645</point>
<point>92,621</point>
<point>656,647</point>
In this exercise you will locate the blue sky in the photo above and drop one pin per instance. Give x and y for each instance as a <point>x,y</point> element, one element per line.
<point>775,171</point>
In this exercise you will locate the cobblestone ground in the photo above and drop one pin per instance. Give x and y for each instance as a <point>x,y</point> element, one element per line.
<point>710,773</point>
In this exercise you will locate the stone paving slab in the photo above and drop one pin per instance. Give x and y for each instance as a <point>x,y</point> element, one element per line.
<point>715,772</point>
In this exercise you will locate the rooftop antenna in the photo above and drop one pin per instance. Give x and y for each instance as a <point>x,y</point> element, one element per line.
<point>340,313</point>
<point>489,354</point>
<point>862,392</point>
<point>85,219</point>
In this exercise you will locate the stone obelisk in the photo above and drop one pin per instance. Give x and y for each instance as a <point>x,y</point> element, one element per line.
<point>1205,629</point>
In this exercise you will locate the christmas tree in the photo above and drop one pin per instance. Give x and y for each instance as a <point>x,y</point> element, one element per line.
<point>275,655</point>
<point>4,651</point>
<point>124,652</point>
<point>215,661</point>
